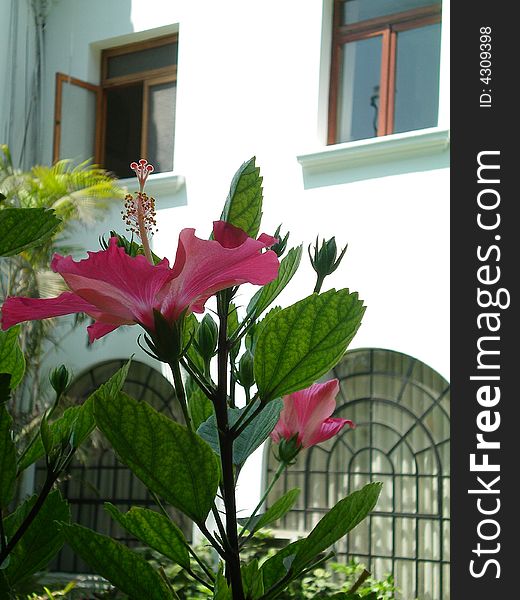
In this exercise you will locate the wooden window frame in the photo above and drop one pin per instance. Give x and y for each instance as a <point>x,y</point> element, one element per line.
<point>387,27</point>
<point>61,78</point>
<point>148,78</point>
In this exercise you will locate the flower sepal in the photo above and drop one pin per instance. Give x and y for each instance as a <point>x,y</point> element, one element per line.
<point>288,450</point>
<point>165,341</point>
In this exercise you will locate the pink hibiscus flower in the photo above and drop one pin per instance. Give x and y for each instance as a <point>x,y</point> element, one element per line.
<point>306,414</point>
<point>116,289</point>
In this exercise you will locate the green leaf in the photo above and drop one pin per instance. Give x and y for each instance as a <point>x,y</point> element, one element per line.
<point>41,541</point>
<point>266,295</point>
<point>341,519</point>
<point>23,228</point>
<point>126,570</point>
<point>12,360</point>
<point>256,329</point>
<point>155,530</point>
<point>7,458</point>
<point>222,590</point>
<point>282,506</point>
<point>251,580</point>
<point>189,331</point>
<point>199,405</point>
<point>276,567</point>
<point>243,206</point>
<point>168,458</point>
<point>302,342</point>
<point>77,421</point>
<point>85,421</point>
<point>253,435</point>
<point>5,590</point>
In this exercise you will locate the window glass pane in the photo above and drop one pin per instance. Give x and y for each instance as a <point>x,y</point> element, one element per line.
<point>358,104</point>
<point>142,60</point>
<point>361,10</point>
<point>417,78</point>
<point>161,125</point>
<point>78,122</point>
<point>123,128</point>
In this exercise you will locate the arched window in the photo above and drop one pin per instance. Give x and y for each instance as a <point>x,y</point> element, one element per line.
<point>96,476</point>
<point>401,409</point>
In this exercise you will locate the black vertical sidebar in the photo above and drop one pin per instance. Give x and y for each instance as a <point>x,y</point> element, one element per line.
<point>485,251</point>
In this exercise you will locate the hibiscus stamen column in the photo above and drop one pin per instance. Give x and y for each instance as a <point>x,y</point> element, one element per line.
<point>226,451</point>
<point>139,214</point>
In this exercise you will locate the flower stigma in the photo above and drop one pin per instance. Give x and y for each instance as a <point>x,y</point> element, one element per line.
<point>139,214</point>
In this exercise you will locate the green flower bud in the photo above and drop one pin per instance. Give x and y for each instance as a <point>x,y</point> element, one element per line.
<point>323,260</point>
<point>60,379</point>
<point>206,338</point>
<point>246,376</point>
<point>289,449</point>
<point>281,245</point>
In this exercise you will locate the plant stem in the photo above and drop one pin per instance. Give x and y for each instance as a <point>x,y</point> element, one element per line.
<point>226,453</point>
<point>281,468</point>
<point>193,371</point>
<point>181,394</point>
<point>360,581</point>
<point>47,486</point>
<point>201,563</point>
<point>219,523</point>
<point>319,283</point>
<point>242,423</point>
<point>2,533</point>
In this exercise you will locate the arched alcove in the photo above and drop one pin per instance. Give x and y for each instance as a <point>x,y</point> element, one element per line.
<point>96,476</point>
<point>401,408</point>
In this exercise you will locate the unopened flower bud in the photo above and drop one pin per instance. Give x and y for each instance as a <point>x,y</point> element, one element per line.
<point>289,449</point>
<point>281,244</point>
<point>323,260</point>
<point>60,379</point>
<point>206,338</point>
<point>246,376</point>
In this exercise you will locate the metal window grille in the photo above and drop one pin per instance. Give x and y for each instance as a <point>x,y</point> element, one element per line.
<point>96,476</point>
<point>401,409</point>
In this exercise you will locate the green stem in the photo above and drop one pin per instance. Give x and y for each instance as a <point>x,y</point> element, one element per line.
<point>281,467</point>
<point>213,541</point>
<point>181,394</point>
<point>319,283</point>
<point>243,422</point>
<point>35,438</point>
<point>220,526</point>
<point>199,378</point>
<point>201,563</point>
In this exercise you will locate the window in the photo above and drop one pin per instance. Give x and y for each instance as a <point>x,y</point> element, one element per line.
<point>131,114</point>
<point>385,68</point>
<point>401,408</point>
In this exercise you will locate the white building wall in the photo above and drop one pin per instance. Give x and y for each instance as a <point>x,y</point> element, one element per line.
<point>252,80</point>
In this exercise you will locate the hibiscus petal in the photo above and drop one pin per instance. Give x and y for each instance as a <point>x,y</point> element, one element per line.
<point>99,329</point>
<point>313,405</point>
<point>228,235</point>
<point>329,428</point>
<point>16,310</point>
<point>117,284</point>
<point>204,267</point>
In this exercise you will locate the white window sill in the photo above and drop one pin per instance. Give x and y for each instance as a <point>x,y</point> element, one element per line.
<point>376,151</point>
<point>157,184</point>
